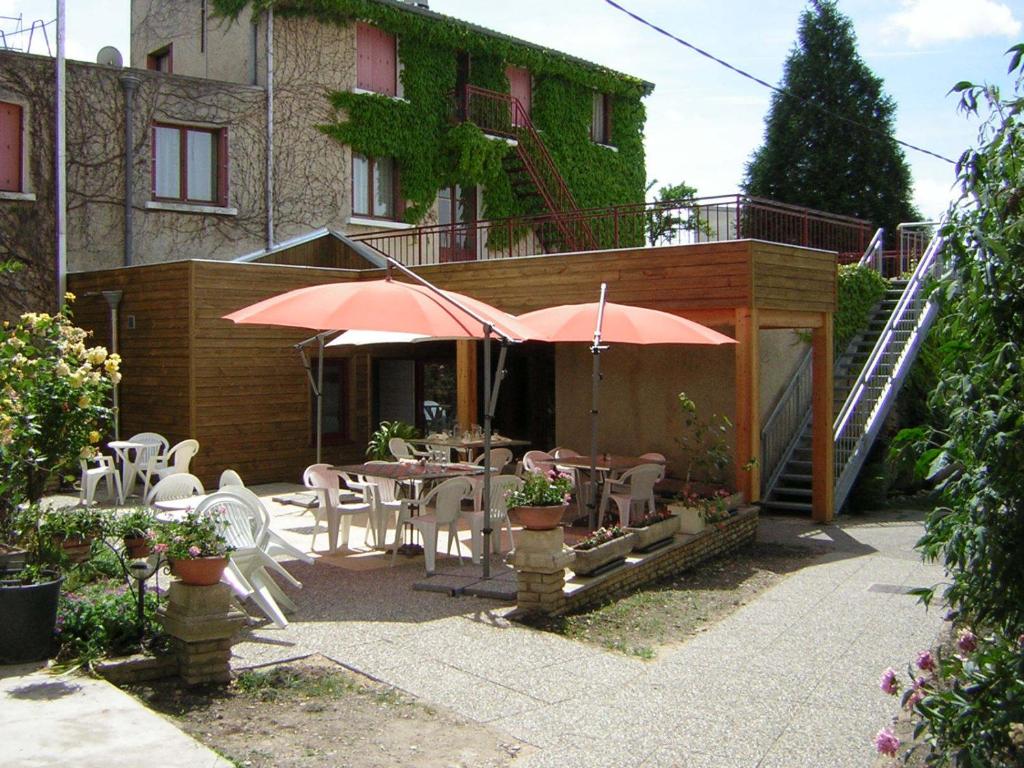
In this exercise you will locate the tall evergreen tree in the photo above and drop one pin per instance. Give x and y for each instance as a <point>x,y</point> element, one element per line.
<point>810,155</point>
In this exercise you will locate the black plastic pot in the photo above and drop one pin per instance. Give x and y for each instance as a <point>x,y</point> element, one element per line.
<point>29,618</point>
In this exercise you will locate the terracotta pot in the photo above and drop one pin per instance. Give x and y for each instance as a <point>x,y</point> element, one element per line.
<point>690,518</point>
<point>655,532</point>
<point>77,550</point>
<point>199,571</point>
<point>138,546</point>
<point>538,518</point>
<point>589,560</point>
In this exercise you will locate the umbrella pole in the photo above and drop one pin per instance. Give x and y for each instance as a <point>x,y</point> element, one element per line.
<point>594,392</point>
<point>320,400</point>
<point>486,499</point>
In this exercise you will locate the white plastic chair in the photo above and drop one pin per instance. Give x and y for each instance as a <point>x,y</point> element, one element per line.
<point>176,460</point>
<point>441,507</point>
<point>272,543</point>
<point>243,525</point>
<point>402,449</point>
<point>179,486</point>
<point>136,462</point>
<point>538,461</point>
<point>500,487</point>
<point>325,481</point>
<point>500,458</point>
<point>229,478</point>
<point>382,493</point>
<point>91,476</point>
<point>635,486</point>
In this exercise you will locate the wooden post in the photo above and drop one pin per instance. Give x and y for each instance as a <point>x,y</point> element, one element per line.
<point>467,411</point>
<point>823,412</point>
<point>748,404</point>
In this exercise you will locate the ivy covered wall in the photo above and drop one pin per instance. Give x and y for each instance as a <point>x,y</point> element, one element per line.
<point>433,151</point>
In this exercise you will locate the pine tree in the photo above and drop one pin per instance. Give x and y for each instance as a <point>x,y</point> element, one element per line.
<point>811,156</point>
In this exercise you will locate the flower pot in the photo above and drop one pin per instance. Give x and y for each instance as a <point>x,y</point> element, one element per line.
<point>602,556</point>
<point>538,518</point>
<point>657,531</point>
<point>138,546</point>
<point>29,614</point>
<point>199,571</point>
<point>77,549</point>
<point>691,519</point>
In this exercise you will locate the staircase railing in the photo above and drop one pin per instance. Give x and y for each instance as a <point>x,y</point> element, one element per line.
<point>874,392</point>
<point>502,114</point>
<point>792,413</point>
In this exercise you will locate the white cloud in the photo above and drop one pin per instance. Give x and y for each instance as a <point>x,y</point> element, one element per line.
<point>923,22</point>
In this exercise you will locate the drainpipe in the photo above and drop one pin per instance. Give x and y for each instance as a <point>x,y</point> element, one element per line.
<point>60,171</point>
<point>129,83</point>
<point>113,300</point>
<point>269,191</point>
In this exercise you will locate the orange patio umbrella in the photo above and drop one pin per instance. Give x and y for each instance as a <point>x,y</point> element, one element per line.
<point>392,306</point>
<point>601,322</point>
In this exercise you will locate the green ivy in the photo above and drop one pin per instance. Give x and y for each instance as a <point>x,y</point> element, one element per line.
<point>433,152</point>
<point>859,290</point>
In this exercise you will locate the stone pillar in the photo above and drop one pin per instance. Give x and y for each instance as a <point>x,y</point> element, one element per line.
<point>540,559</point>
<point>201,622</point>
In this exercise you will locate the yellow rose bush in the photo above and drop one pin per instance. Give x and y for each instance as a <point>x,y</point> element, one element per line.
<point>53,390</point>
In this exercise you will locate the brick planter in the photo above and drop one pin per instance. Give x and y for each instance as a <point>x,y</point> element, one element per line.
<point>655,532</point>
<point>590,560</point>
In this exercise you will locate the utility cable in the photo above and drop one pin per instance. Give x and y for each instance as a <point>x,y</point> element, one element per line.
<point>775,88</point>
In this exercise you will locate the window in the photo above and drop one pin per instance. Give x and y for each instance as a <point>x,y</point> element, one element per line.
<point>161,60</point>
<point>376,60</point>
<point>456,209</point>
<point>10,147</point>
<point>335,401</point>
<point>601,119</point>
<point>190,164</point>
<point>374,187</point>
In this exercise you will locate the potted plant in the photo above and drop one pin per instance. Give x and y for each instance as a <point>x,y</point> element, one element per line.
<point>195,547</point>
<point>654,529</point>
<point>135,528</point>
<point>74,529</point>
<point>541,501</point>
<point>601,550</point>
<point>378,448</point>
<point>695,511</point>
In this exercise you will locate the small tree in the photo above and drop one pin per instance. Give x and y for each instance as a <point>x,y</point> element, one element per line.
<point>674,211</point>
<point>811,155</point>
<point>53,393</point>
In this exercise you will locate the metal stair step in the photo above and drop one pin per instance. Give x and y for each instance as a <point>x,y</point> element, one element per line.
<point>791,506</point>
<point>781,490</point>
<point>795,477</point>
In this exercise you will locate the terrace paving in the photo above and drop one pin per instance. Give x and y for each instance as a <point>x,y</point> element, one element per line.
<point>788,680</point>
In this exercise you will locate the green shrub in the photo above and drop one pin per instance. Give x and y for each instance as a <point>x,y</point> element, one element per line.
<point>859,290</point>
<point>100,620</point>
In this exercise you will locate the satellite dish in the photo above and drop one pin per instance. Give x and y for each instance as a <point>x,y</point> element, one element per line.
<point>109,56</point>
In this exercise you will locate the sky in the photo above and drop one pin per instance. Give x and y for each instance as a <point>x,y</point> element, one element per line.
<point>703,121</point>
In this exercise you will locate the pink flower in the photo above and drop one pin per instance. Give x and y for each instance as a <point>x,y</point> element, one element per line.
<point>925,661</point>
<point>886,742</point>
<point>917,694</point>
<point>194,551</point>
<point>888,682</point>
<point>160,548</point>
<point>967,642</point>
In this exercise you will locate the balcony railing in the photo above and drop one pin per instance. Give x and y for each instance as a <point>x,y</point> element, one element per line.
<point>699,220</point>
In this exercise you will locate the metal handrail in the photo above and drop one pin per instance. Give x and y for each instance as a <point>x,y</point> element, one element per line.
<point>873,392</point>
<point>873,253</point>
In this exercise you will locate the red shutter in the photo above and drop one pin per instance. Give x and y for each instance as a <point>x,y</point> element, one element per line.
<point>10,147</point>
<point>519,86</point>
<point>375,60</point>
<point>222,167</point>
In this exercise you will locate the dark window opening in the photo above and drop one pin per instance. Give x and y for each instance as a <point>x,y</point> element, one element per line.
<point>335,402</point>
<point>161,60</point>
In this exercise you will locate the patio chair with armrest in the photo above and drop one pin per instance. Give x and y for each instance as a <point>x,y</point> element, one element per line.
<point>273,543</point>
<point>402,449</point>
<point>384,497</point>
<point>137,461</point>
<point>104,469</point>
<point>635,486</point>
<point>230,478</point>
<point>500,458</point>
<point>178,486</point>
<point>538,461</point>
<point>325,482</point>
<point>500,487</point>
<point>441,507</point>
<point>244,525</point>
<point>175,461</point>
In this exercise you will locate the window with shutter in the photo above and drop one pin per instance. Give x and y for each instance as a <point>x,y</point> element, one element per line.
<point>376,60</point>
<point>10,147</point>
<point>190,164</point>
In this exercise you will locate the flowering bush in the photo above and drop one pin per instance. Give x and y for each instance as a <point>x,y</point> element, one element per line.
<point>195,536</point>
<point>601,536</point>
<point>53,391</point>
<point>542,489</point>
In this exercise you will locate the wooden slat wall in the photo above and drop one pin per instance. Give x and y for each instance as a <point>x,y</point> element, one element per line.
<point>251,394</point>
<point>155,354</point>
<point>325,252</point>
<point>792,278</point>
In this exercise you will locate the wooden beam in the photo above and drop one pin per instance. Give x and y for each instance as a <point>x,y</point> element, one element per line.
<point>786,318</point>
<point>822,415</point>
<point>467,410</point>
<point>748,404</point>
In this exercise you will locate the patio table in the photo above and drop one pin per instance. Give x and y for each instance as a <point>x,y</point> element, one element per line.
<point>129,463</point>
<point>467,445</point>
<point>605,462</point>
<point>405,471</point>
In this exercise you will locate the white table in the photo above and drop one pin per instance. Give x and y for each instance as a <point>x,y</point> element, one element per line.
<point>129,463</point>
<point>175,510</point>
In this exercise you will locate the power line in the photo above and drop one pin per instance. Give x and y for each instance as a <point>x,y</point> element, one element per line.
<point>775,88</point>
